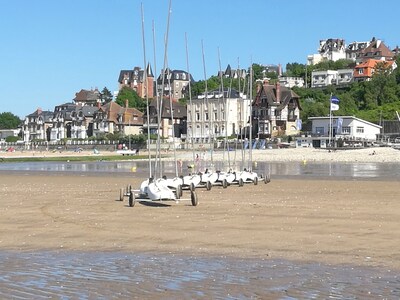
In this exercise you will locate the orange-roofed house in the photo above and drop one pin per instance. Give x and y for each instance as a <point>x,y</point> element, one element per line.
<point>365,70</point>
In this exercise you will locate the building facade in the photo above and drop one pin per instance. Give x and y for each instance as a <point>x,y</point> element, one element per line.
<point>135,79</point>
<point>173,83</point>
<point>330,49</point>
<point>217,114</point>
<point>275,111</point>
<point>113,118</point>
<point>172,122</point>
<point>37,126</point>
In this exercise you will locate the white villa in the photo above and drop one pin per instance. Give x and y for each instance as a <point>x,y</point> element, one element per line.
<point>217,115</point>
<point>330,49</point>
<point>331,77</point>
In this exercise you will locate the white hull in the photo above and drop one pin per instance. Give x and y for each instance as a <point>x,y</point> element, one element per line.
<point>209,177</point>
<point>157,190</point>
<point>191,180</point>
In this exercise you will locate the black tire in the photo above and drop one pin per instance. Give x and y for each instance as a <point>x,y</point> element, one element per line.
<point>130,188</point>
<point>132,200</point>
<point>179,190</point>
<point>267,179</point>
<point>224,183</point>
<point>192,187</point>
<point>208,185</point>
<point>241,183</point>
<point>121,194</point>
<point>193,198</point>
<point>255,181</point>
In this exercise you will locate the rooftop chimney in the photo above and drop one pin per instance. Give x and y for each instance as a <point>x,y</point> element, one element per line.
<point>278,92</point>
<point>258,87</point>
<point>126,103</point>
<point>39,111</point>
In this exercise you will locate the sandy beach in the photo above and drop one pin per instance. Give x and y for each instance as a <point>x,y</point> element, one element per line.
<point>350,222</point>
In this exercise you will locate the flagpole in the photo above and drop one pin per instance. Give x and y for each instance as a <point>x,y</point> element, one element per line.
<point>330,120</point>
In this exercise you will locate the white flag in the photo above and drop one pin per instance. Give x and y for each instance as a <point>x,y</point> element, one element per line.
<point>334,103</point>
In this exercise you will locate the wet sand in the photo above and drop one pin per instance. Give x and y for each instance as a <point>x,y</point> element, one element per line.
<point>328,221</point>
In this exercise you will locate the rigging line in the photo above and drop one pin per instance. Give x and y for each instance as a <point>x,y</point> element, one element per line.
<point>229,97</point>
<point>158,154</point>
<point>163,75</point>
<point>172,122</point>
<point>223,103</point>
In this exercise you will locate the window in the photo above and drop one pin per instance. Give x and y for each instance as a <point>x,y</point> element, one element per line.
<point>361,71</point>
<point>319,130</point>
<point>360,129</point>
<point>346,129</point>
<point>197,116</point>
<point>206,116</point>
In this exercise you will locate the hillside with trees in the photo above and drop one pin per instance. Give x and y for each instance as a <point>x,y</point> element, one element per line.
<point>372,100</point>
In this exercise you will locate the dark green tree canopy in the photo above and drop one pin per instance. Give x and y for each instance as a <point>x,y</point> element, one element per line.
<point>133,98</point>
<point>106,95</point>
<point>9,121</point>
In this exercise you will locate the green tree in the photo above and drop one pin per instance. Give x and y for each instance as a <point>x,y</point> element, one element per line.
<point>9,120</point>
<point>133,98</point>
<point>295,70</point>
<point>106,95</point>
<point>383,87</point>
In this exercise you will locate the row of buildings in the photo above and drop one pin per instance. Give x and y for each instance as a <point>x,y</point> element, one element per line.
<point>274,110</point>
<point>366,57</point>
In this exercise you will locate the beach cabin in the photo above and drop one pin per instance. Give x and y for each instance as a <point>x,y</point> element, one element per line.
<point>343,131</point>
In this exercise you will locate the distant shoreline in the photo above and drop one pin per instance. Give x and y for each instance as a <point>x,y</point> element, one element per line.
<point>375,154</point>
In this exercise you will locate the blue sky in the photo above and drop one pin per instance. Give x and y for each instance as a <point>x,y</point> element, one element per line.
<point>51,49</point>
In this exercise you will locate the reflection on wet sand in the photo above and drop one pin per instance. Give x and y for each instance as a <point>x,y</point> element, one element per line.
<point>389,171</point>
<point>43,275</point>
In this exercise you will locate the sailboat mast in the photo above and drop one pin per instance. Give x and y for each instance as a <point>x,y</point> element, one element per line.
<point>208,105</point>
<point>147,94</point>
<point>251,116</point>
<point>190,100</point>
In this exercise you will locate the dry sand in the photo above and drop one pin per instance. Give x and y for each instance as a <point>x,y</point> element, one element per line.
<point>355,222</point>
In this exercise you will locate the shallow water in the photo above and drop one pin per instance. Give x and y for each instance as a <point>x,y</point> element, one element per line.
<point>384,171</point>
<point>101,275</point>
